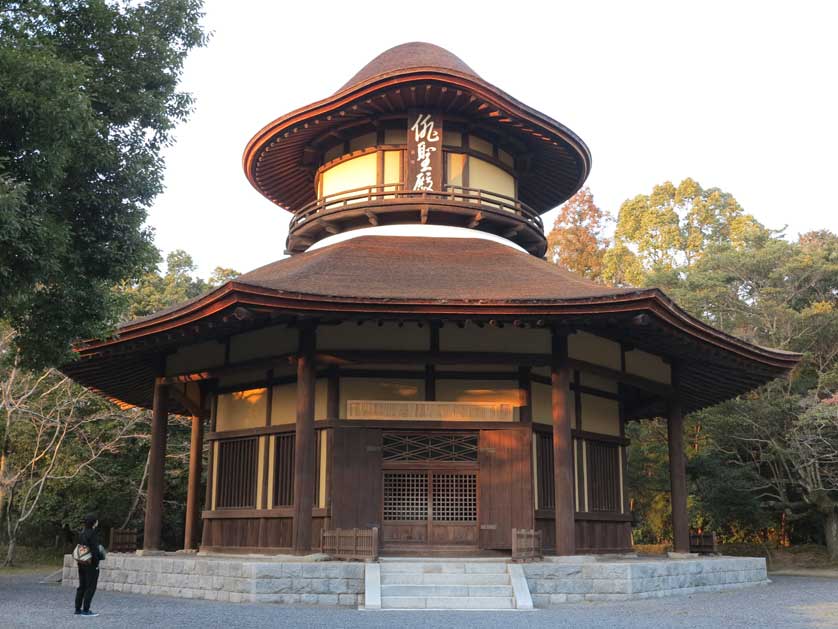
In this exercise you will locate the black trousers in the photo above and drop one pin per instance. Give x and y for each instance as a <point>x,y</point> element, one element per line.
<point>88,577</point>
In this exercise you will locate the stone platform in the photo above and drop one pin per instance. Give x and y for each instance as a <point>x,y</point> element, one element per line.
<point>572,579</point>
<point>314,581</point>
<point>287,580</point>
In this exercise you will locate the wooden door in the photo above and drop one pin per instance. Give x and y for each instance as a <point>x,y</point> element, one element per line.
<point>429,508</point>
<point>356,478</point>
<point>506,492</point>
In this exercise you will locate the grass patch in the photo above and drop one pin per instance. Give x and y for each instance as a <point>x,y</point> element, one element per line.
<point>652,549</point>
<point>32,559</point>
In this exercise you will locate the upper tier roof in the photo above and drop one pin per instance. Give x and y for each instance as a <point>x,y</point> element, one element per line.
<point>407,56</point>
<point>279,161</point>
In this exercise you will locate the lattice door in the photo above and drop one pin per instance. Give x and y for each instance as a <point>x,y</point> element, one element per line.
<point>454,497</point>
<point>405,496</point>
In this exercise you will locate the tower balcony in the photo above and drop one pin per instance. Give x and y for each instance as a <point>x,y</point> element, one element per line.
<point>394,204</point>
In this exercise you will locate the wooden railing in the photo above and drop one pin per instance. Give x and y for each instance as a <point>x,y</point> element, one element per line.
<point>481,199</point>
<point>359,544</point>
<point>526,545</point>
<point>704,543</point>
<point>123,541</point>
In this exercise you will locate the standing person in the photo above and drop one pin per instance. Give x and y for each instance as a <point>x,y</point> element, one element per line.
<point>88,573</point>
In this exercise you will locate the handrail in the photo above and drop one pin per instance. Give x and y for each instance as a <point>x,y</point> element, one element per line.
<point>485,199</point>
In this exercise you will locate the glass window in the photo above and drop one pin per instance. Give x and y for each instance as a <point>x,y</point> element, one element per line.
<point>241,409</point>
<point>380,389</point>
<point>485,176</point>
<point>353,173</point>
<point>284,402</point>
<point>392,167</point>
<point>479,392</point>
<point>455,166</point>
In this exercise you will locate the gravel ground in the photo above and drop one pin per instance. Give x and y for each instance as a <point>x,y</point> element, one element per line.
<point>788,602</point>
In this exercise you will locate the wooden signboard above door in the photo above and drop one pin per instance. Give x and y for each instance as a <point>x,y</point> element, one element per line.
<point>424,150</point>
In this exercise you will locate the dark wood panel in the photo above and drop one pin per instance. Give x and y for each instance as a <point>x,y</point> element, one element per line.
<point>356,478</point>
<point>405,533</point>
<point>592,536</point>
<point>254,532</point>
<point>597,536</point>
<point>454,534</point>
<point>506,491</point>
<point>547,526</point>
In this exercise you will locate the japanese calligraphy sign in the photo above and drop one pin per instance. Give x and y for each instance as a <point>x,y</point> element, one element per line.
<point>424,151</point>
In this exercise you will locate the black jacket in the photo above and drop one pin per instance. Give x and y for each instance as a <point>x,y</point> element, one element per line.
<point>90,538</point>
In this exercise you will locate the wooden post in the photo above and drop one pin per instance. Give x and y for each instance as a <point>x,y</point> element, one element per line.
<point>430,370</point>
<point>304,443</point>
<point>193,513</point>
<point>562,447</point>
<point>333,394</point>
<point>209,489</point>
<point>525,387</point>
<point>678,479</point>
<point>156,467</point>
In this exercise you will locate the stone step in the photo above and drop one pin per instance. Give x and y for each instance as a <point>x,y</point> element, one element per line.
<point>444,568</point>
<point>405,578</point>
<point>480,591</point>
<point>446,602</point>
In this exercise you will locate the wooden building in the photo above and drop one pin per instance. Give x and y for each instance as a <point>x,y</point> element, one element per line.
<point>442,389</point>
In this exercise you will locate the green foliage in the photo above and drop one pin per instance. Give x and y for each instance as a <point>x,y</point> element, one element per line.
<point>674,226</point>
<point>760,466</point>
<point>88,98</point>
<point>154,292</point>
<point>100,459</point>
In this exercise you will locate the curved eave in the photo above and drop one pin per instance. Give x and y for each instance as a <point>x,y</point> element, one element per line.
<point>528,121</point>
<point>232,294</point>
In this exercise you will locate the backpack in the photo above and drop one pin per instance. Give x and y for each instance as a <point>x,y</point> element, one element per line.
<point>83,555</point>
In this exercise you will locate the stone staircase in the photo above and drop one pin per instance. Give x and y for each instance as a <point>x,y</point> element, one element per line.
<point>449,584</point>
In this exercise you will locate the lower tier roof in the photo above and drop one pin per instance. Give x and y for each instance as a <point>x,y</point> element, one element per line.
<point>438,279</point>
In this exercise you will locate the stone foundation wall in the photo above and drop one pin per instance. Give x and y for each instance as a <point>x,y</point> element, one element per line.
<point>229,579</point>
<point>331,583</point>
<point>553,583</point>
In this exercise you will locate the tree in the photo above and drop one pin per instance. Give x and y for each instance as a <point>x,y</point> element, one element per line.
<point>577,240</point>
<point>154,292</point>
<point>58,440</point>
<point>88,98</point>
<point>769,457</point>
<point>52,430</point>
<point>673,226</point>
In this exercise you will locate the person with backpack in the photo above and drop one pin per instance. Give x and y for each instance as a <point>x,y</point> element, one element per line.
<point>88,554</point>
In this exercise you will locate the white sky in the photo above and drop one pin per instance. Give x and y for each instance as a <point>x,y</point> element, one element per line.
<point>738,95</point>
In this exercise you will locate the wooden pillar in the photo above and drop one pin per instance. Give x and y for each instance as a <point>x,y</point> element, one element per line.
<point>560,375</point>
<point>304,444</point>
<point>333,394</point>
<point>156,467</point>
<point>193,513</point>
<point>525,388</point>
<point>430,370</point>
<point>678,479</point>
<point>209,489</point>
